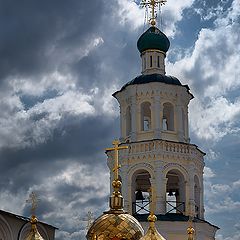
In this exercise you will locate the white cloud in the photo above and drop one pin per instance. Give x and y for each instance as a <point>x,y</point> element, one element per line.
<point>131,13</point>
<point>208,173</point>
<point>20,127</point>
<point>172,13</point>
<point>219,197</point>
<point>212,71</point>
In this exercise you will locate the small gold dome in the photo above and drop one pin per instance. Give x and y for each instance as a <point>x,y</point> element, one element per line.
<point>115,226</point>
<point>34,234</point>
<point>152,232</point>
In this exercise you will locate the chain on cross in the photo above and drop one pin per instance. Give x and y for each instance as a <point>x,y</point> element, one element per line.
<point>153,4</point>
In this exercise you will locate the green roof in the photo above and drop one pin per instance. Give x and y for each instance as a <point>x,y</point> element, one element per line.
<point>153,38</point>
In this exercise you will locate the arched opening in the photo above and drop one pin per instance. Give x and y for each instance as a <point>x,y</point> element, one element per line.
<point>197,196</point>
<point>168,117</point>
<point>175,192</point>
<point>146,116</point>
<point>5,232</point>
<point>128,121</point>
<point>140,192</point>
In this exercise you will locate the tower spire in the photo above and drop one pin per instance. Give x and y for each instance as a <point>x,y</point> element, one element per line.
<point>153,4</point>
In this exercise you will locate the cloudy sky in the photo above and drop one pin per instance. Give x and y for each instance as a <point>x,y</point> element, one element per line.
<point>60,61</point>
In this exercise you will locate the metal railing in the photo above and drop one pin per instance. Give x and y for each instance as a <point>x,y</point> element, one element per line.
<point>175,207</point>
<point>141,207</point>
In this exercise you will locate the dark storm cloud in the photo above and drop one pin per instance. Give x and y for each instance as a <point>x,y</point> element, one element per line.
<point>32,32</point>
<point>83,142</point>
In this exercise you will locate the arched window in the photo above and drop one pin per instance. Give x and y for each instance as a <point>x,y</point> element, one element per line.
<point>168,117</point>
<point>183,121</point>
<point>158,61</point>
<point>128,121</point>
<point>175,192</point>
<point>197,195</point>
<point>141,186</point>
<point>145,116</point>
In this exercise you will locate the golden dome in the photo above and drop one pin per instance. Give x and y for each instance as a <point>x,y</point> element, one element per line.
<point>34,234</point>
<point>115,226</point>
<point>152,232</point>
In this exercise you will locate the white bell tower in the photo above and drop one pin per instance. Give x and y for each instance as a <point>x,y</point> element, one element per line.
<point>154,126</point>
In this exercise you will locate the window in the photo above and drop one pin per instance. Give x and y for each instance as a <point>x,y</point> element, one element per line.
<point>168,117</point>
<point>158,61</point>
<point>145,116</point>
<point>128,121</point>
<point>150,61</point>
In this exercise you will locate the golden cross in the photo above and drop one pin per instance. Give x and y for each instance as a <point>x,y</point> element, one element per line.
<point>90,219</point>
<point>116,149</point>
<point>152,4</point>
<point>33,200</point>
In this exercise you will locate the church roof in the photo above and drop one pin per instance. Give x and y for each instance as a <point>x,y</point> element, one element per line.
<point>153,38</point>
<point>155,77</point>
<point>26,219</point>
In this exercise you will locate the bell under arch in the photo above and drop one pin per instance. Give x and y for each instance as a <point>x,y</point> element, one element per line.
<point>146,121</point>
<point>141,185</point>
<point>175,192</point>
<point>168,117</point>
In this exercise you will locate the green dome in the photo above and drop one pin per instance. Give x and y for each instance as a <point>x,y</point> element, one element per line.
<point>153,38</point>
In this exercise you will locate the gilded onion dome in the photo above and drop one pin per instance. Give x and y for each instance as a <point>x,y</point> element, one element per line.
<point>115,224</point>
<point>34,234</point>
<point>152,232</point>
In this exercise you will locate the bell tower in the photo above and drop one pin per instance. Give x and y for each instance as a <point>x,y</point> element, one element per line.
<point>154,126</point>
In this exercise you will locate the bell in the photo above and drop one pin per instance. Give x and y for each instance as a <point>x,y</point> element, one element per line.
<point>176,193</point>
<point>139,195</point>
<point>170,193</point>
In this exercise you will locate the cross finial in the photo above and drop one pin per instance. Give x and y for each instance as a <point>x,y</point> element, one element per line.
<point>152,4</point>
<point>116,149</point>
<point>34,201</point>
<point>90,219</point>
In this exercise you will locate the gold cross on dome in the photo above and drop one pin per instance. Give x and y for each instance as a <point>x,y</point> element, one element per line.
<point>152,4</point>
<point>34,201</point>
<point>116,149</point>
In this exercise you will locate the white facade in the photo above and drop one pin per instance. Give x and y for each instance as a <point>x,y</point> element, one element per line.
<point>154,125</point>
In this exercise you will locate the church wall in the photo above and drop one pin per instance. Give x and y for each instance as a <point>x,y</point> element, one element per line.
<point>13,227</point>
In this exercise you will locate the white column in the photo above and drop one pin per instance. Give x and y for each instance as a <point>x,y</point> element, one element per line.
<point>201,198</point>
<point>187,126</point>
<point>121,124</point>
<point>157,107</point>
<point>179,123</point>
<point>191,200</point>
<point>161,183</point>
<point>133,119</point>
<point>123,174</point>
